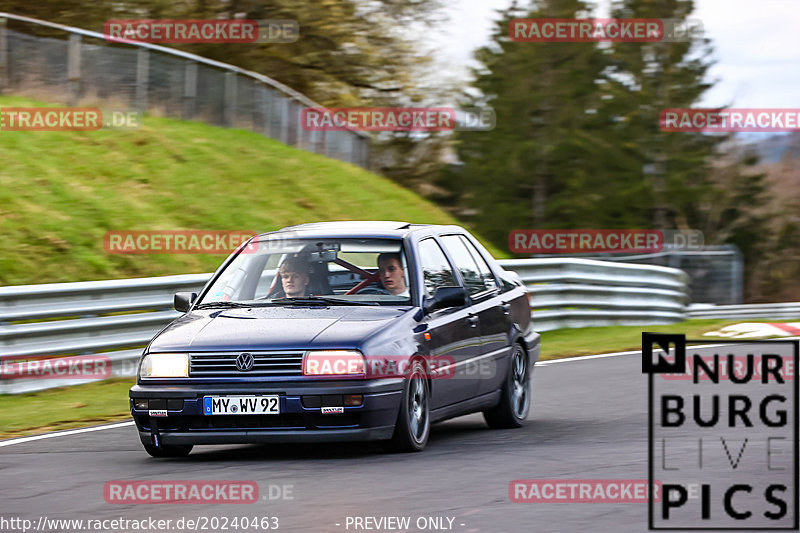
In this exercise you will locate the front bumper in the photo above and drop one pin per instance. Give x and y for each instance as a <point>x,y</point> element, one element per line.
<point>185,422</point>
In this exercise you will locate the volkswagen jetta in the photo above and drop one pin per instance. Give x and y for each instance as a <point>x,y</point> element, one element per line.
<point>340,331</point>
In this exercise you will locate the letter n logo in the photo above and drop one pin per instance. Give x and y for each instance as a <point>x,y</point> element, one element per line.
<point>665,364</point>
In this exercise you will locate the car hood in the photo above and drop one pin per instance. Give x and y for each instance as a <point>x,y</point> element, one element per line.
<point>274,328</point>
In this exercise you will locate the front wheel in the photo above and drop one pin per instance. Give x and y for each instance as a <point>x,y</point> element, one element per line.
<point>168,451</point>
<point>515,400</point>
<point>413,422</point>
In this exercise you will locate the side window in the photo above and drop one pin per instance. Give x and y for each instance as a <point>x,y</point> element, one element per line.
<point>489,283</point>
<point>436,270</point>
<point>465,264</point>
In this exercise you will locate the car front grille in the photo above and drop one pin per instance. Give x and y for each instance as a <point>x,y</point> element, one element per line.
<point>266,364</point>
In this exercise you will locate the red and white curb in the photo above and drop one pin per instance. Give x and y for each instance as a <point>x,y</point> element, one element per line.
<point>754,330</point>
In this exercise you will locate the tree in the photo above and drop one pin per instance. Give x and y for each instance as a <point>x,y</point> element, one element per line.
<point>646,78</point>
<point>532,168</point>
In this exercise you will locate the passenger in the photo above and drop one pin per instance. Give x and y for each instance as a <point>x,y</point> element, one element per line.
<point>390,271</point>
<point>294,277</point>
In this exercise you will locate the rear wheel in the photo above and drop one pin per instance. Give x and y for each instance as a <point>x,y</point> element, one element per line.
<point>413,422</point>
<point>168,451</point>
<point>515,400</point>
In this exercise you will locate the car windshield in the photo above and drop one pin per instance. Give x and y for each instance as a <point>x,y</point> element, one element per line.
<point>277,271</point>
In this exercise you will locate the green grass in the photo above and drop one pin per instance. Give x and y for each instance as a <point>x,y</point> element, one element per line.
<point>107,401</point>
<point>64,408</point>
<point>584,341</point>
<point>60,192</point>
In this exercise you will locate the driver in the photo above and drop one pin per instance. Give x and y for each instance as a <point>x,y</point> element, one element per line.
<point>390,271</point>
<point>294,277</point>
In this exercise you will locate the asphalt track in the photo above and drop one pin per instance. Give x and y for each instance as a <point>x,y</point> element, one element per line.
<point>589,421</point>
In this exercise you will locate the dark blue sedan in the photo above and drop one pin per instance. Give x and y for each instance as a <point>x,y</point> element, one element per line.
<point>340,331</point>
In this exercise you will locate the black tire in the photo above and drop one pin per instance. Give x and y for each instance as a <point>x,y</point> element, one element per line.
<point>413,426</point>
<point>515,400</point>
<point>168,451</point>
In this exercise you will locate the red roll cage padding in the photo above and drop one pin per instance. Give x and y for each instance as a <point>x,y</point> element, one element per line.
<point>273,284</point>
<point>352,268</point>
<point>368,276</point>
<point>363,283</point>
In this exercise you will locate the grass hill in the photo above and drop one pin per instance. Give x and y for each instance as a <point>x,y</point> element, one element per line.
<point>60,192</point>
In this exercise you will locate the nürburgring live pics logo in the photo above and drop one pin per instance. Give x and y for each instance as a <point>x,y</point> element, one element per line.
<point>722,433</point>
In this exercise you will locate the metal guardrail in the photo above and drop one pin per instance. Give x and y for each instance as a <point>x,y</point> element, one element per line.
<point>112,318</point>
<point>716,273</point>
<point>576,293</point>
<point>117,318</point>
<point>771,310</point>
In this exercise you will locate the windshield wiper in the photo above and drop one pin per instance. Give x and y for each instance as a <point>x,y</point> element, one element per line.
<point>231,305</point>
<point>320,299</point>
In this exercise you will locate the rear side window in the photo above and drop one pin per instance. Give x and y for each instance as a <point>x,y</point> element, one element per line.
<point>489,283</point>
<point>466,264</point>
<point>436,270</point>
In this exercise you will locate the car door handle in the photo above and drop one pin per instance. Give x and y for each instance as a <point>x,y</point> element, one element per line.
<point>506,307</point>
<point>472,320</point>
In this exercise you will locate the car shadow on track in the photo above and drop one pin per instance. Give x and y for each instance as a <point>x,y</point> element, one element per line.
<point>444,436</point>
<point>457,433</point>
<point>285,452</point>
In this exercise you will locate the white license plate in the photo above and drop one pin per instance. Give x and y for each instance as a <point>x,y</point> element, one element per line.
<point>241,405</point>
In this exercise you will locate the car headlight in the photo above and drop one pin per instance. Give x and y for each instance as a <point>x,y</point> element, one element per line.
<point>333,363</point>
<point>164,365</point>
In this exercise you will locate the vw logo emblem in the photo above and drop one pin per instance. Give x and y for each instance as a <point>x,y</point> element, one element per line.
<point>244,362</point>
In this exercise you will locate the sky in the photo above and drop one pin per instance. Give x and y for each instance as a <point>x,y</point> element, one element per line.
<point>756,46</point>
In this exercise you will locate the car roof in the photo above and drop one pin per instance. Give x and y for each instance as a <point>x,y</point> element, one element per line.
<point>360,228</point>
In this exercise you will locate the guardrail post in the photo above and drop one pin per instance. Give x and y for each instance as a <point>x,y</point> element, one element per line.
<point>285,108</point>
<point>294,124</point>
<point>3,55</point>
<point>364,153</point>
<point>329,144</point>
<point>142,78</point>
<point>351,149</point>
<point>358,148</point>
<point>259,115</point>
<point>74,68</point>
<point>317,141</point>
<point>264,102</point>
<point>304,137</point>
<point>737,278</point>
<point>230,104</point>
<point>189,90</point>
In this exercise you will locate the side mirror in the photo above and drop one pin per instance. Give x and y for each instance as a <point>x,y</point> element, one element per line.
<point>445,297</point>
<point>184,300</point>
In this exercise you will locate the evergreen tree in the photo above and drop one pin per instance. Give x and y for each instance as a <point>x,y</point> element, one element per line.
<point>529,170</point>
<point>645,79</point>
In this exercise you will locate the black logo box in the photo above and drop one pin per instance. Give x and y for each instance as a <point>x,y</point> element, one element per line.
<point>677,365</point>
